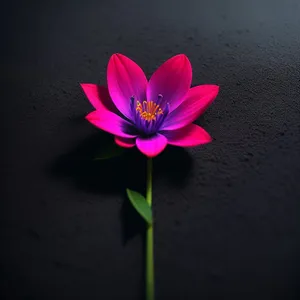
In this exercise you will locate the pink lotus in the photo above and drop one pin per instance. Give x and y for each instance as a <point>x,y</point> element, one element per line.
<point>150,114</point>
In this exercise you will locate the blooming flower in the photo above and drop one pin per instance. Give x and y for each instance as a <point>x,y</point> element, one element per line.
<point>150,114</point>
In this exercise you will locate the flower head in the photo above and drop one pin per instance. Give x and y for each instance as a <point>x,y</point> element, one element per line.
<point>150,114</point>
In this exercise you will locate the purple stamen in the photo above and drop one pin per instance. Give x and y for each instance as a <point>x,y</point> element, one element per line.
<point>132,103</point>
<point>162,117</point>
<point>159,99</point>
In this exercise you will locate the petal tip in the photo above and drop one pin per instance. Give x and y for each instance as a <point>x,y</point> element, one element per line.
<point>182,56</point>
<point>209,139</point>
<point>214,89</point>
<point>206,139</point>
<point>211,88</point>
<point>113,58</point>
<point>116,57</point>
<point>89,116</point>
<point>86,86</point>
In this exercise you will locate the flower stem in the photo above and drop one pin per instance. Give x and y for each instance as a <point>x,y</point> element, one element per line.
<point>149,239</point>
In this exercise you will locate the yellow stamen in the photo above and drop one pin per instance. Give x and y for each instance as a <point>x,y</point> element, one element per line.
<point>148,110</point>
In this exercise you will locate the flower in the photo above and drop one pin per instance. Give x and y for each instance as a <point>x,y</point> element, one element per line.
<point>150,114</point>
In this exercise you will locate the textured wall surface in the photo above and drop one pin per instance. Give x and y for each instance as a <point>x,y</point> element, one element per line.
<point>227,213</point>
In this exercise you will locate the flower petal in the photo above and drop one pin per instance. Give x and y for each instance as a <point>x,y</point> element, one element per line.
<point>111,123</point>
<point>196,102</point>
<point>98,96</point>
<point>125,79</point>
<point>172,80</point>
<point>151,146</point>
<point>188,136</point>
<point>124,142</point>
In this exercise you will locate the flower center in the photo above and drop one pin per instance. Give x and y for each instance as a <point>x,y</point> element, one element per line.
<point>148,110</point>
<point>148,116</point>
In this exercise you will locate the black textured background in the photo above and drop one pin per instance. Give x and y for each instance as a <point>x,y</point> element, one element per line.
<point>227,214</point>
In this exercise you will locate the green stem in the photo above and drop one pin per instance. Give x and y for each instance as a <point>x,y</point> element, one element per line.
<point>149,239</point>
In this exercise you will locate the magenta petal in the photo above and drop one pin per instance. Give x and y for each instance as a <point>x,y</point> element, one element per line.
<point>172,80</point>
<point>98,96</point>
<point>151,146</point>
<point>196,102</point>
<point>188,136</point>
<point>111,123</point>
<point>125,79</point>
<point>124,142</point>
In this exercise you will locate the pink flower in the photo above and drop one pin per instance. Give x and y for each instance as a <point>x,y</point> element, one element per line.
<point>150,114</point>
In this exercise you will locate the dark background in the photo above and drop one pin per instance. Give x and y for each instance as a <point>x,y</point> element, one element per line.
<point>227,214</point>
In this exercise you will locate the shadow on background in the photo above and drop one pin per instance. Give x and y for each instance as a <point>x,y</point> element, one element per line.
<point>114,175</point>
